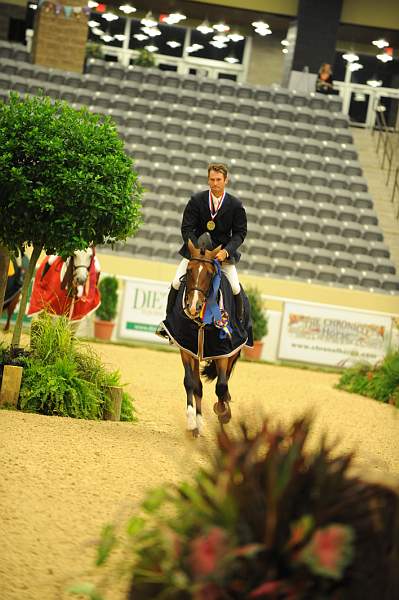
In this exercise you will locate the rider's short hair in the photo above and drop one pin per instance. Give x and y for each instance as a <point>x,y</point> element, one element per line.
<point>219,167</point>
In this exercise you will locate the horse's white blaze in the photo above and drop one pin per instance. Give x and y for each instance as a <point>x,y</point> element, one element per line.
<point>191,420</point>
<point>193,307</point>
<point>200,424</point>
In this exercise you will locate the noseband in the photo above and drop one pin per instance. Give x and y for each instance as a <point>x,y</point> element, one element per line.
<point>205,260</point>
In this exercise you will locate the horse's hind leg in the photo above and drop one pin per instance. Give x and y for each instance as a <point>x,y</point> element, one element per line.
<point>222,408</point>
<point>190,387</point>
<point>198,398</point>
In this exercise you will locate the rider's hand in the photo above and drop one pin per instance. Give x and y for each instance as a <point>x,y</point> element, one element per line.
<point>222,255</point>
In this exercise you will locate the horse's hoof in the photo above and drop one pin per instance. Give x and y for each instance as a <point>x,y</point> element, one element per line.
<point>195,432</point>
<point>226,417</point>
<point>221,409</point>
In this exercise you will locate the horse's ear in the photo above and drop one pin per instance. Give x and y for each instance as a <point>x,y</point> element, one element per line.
<point>215,251</point>
<point>191,247</point>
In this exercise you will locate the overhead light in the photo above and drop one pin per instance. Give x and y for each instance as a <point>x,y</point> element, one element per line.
<point>263,31</point>
<point>285,50</point>
<point>205,28</point>
<point>381,43</point>
<point>217,44</point>
<point>151,31</point>
<point>384,57</point>
<point>285,43</point>
<point>127,9</point>
<point>93,23</point>
<point>231,58</point>
<point>173,44</point>
<point>107,38</point>
<point>381,108</point>
<point>194,48</point>
<point>151,48</point>
<point>260,25</point>
<point>109,17</point>
<point>355,66</point>
<point>149,20</point>
<point>92,4</point>
<point>350,57</point>
<point>221,37</point>
<point>374,83</point>
<point>33,6</point>
<point>140,37</point>
<point>360,97</point>
<point>221,27</point>
<point>174,18</point>
<point>97,31</point>
<point>120,37</point>
<point>235,37</point>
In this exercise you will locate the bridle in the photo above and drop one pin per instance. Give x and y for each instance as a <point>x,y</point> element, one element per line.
<point>195,287</point>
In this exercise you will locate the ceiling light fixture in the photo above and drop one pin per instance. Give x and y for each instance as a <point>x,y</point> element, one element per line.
<point>140,37</point>
<point>173,44</point>
<point>107,38</point>
<point>374,83</point>
<point>231,58</point>
<point>285,43</point>
<point>97,31</point>
<point>350,57</point>
<point>120,37</point>
<point>127,9</point>
<point>205,28</point>
<point>110,17</point>
<point>93,24</point>
<point>355,66</point>
<point>263,31</point>
<point>235,37</point>
<point>174,18</point>
<point>221,37</point>
<point>151,31</point>
<point>260,25</point>
<point>149,20</point>
<point>381,43</point>
<point>384,57</point>
<point>285,50</point>
<point>92,4</point>
<point>217,44</point>
<point>151,48</point>
<point>33,6</point>
<point>194,48</point>
<point>221,27</point>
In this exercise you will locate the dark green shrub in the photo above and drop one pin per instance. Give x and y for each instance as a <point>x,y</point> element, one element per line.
<point>380,382</point>
<point>108,287</point>
<point>259,321</point>
<point>65,377</point>
<point>144,58</point>
<point>266,520</point>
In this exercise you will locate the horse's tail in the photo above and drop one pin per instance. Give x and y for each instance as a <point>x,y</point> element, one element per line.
<point>209,371</point>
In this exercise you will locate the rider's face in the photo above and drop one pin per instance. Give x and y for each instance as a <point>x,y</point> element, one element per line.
<point>217,182</point>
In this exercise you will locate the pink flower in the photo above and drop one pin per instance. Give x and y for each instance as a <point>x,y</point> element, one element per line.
<point>206,552</point>
<point>329,551</point>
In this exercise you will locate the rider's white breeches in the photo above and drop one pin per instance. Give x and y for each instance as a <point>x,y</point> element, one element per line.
<point>229,270</point>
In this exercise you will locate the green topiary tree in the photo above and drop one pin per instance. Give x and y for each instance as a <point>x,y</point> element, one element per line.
<point>65,182</point>
<point>108,287</point>
<point>259,321</point>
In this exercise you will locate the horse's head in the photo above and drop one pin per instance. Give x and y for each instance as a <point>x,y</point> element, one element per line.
<point>77,271</point>
<point>200,271</point>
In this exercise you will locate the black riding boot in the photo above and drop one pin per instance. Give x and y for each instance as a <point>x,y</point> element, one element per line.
<point>239,307</point>
<point>171,300</point>
<point>161,331</point>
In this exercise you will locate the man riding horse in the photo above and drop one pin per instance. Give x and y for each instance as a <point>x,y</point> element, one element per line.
<point>224,217</point>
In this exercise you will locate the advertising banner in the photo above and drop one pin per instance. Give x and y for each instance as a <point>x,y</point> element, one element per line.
<point>143,308</point>
<point>333,336</point>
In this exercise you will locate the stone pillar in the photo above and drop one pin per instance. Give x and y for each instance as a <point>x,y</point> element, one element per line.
<point>317,26</point>
<point>59,40</point>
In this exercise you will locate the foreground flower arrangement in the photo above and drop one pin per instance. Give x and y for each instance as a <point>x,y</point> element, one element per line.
<point>266,520</point>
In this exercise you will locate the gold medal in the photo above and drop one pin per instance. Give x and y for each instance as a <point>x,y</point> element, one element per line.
<point>210,225</point>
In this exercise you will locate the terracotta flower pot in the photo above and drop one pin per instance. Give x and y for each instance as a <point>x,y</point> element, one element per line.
<point>103,329</point>
<point>255,352</point>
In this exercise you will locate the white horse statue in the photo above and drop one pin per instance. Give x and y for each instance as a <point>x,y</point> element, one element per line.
<point>67,287</point>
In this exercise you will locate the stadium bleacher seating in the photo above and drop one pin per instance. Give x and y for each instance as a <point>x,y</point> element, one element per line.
<point>291,157</point>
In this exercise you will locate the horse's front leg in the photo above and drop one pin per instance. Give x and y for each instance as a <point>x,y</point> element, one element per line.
<point>198,398</point>
<point>222,408</point>
<point>189,385</point>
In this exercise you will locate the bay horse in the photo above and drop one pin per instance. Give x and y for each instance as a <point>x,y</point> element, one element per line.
<point>205,331</point>
<point>67,287</point>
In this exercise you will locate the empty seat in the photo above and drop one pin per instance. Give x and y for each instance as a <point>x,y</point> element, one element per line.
<point>244,90</point>
<point>367,216</point>
<point>321,194</point>
<point>231,134</point>
<point>352,230</point>
<point>290,221</point>
<point>169,94</point>
<point>266,201</point>
<point>282,188</point>
<point>370,279</point>
<point>265,109</point>
<point>310,223</point>
<point>102,99</point>
<point>327,274</point>
<point>280,126</point>
<point>305,270</point>
<point>303,114</point>
<point>297,175</point>
<point>289,143</point>
<point>285,112</point>
<point>357,184</point>
<point>111,85</point>
<point>384,265</point>
<point>135,73</point>
<point>327,210</point>
<point>330,148</point>
<point>348,152</point>
<point>262,93</point>
<point>283,267</point>
<point>358,246</point>
<point>335,243</point>
<point>390,282</point>
<point>313,239</point>
<point>372,232</point>
<point>301,253</point>
<point>284,204</point>
<point>261,185</point>
<point>293,236</point>
<point>347,213</point>
<point>280,250</point>
<point>276,172</point>
<point>338,181</point>
<point>261,264</point>
<point>302,190</point>
<point>319,178</point>
<point>149,91</point>
<point>321,256</point>
<point>343,136</point>
<point>322,117</point>
<point>223,119</point>
<point>260,124</point>
<point>364,262</point>
<point>378,249</point>
<point>343,259</point>
<point>272,233</point>
<point>362,200</point>
<point>352,168</point>
<point>348,276</point>
<point>154,77</point>
<point>174,80</point>
<point>332,165</point>
<point>309,145</point>
<point>270,217</point>
<point>293,159</point>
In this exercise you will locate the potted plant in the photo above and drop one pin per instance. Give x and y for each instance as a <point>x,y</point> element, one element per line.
<point>144,58</point>
<point>259,324</point>
<point>106,312</point>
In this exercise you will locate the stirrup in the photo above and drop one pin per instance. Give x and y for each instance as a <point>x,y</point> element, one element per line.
<point>161,332</point>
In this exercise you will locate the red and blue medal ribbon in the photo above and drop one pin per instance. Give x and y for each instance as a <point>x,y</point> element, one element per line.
<point>211,313</point>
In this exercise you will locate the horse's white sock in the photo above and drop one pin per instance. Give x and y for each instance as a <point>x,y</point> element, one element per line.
<point>191,420</point>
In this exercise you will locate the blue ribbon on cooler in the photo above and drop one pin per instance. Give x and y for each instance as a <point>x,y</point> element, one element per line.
<point>213,314</point>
